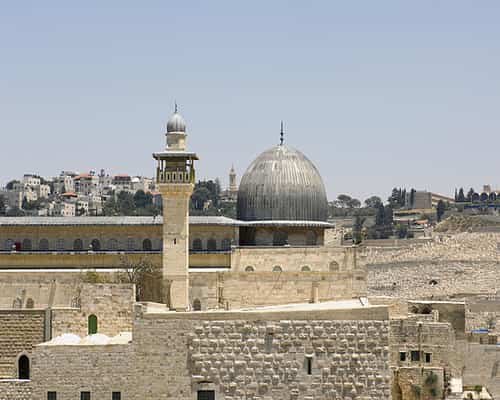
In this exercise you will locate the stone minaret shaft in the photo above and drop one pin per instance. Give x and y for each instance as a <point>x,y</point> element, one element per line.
<point>175,177</point>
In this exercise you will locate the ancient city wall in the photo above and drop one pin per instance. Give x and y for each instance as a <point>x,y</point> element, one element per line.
<point>13,389</point>
<point>20,331</point>
<point>482,367</point>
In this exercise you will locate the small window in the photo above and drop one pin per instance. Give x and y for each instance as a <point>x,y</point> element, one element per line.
<point>84,395</point>
<point>249,269</point>
<point>206,395</point>
<point>23,367</point>
<point>211,245</point>
<point>226,244</point>
<point>428,357</point>
<point>27,246</point>
<point>196,305</point>
<point>51,395</point>
<point>43,245</point>
<point>60,244</point>
<point>92,326</point>
<point>130,244</point>
<point>95,245</point>
<point>415,355</point>
<point>78,245</point>
<point>30,303</point>
<point>147,245</point>
<point>268,341</point>
<point>309,362</point>
<point>113,244</point>
<point>277,268</point>
<point>305,268</point>
<point>402,356</point>
<point>197,245</point>
<point>116,396</point>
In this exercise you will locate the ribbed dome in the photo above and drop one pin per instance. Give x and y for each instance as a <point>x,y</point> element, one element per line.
<point>176,123</point>
<point>282,184</point>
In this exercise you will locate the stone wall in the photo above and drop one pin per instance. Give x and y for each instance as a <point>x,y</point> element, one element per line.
<point>20,331</point>
<point>14,389</point>
<point>111,304</point>
<point>240,356</point>
<point>482,367</point>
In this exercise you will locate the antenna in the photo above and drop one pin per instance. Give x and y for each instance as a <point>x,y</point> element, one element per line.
<point>281,134</point>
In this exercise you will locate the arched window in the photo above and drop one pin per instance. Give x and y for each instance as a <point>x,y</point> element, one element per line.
<point>311,238</point>
<point>30,303</point>
<point>130,244</point>
<point>226,244</point>
<point>23,367</point>
<point>483,197</point>
<point>78,245</point>
<point>147,245</point>
<point>17,303</point>
<point>95,245</point>
<point>305,268</point>
<point>8,244</point>
<point>60,244</point>
<point>277,268</point>
<point>113,244</point>
<point>334,266</point>
<point>280,238</point>
<point>92,327</point>
<point>43,245</point>
<point>196,305</point>
<point>211,244</point>
<point>27,246</point>
<point>493,196</point>
<point>249,269</point>
<point>197,245</point>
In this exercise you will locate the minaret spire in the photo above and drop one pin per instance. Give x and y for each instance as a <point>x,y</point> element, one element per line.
<point>281,134</point>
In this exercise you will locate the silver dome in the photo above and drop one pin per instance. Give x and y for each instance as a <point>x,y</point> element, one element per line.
<point>176,123</point>
<point>282,184</point>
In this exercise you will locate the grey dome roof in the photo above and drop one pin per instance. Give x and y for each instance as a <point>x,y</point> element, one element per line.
<point>176,123</point>
<point>282,184</point>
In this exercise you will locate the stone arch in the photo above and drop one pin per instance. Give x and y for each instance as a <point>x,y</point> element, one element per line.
<point>112,244</point>
<point>475,197</point>
<point>92,324</point>
<point>249,268</point>
<point>43,245</point>
<point>30,303</point>
<point>147,245</point>
<point>95,245</point>
<point>17,303</point>
<point>493,196</point>
<point>311,238</point>
<point>334,266</point>
<point>484,196</point>
<point>211,244</point>
<point>280,238</point>
<point>78,245</point>
<point>226,244</point>
<point>196,305</point>
<point>23,367</point>
<point>277,268</point>
<point>27,245</point>
<point>197,244</point>
<point>306,268</point>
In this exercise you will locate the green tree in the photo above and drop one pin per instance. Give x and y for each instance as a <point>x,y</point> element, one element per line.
<point>125,203</point>
<point>357,237</point>
<point>373,202</point>
<point>461,196</point>
<point>343,200</point>
<point>470,193</point>
<point>142,199</point>
<point>440,209</point>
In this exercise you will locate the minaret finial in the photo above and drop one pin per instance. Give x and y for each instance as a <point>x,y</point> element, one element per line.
<point>281,134</point>
<point>175,108</point>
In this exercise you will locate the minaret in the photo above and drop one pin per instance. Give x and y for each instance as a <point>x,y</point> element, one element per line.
<point>233,186</point>
<point>175,179</point>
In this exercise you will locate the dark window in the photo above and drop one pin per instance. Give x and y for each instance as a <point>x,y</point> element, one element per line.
<point>309,362</point>
<point>211,245</point>
<point>206,395</point>
<point>311,238</point>
<point>27,246</point>
<point>43,245</point>
<point>84,395</point>
<point>197,305</point>
<point>197,245</point>
<point>147,245</point>
<point>226,244</point>
<point>277,268</point>
<point>280,238</point>
<point>269,342</point>
<point>415,355</point>
<point>96,245</point>
<point>116,396</point>
<point>428,357</point>
<point>92,328</point>
<point>23,367</point>
<point>78,245</point>
<point>402,356</point>
<point>30,303</point>
<point>51,395</point>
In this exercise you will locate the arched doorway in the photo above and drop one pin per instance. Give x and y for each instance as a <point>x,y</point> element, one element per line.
<point>23,367</point>
<point>92,326</point>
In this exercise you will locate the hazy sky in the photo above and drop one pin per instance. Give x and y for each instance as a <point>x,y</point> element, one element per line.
<point>376,93</point>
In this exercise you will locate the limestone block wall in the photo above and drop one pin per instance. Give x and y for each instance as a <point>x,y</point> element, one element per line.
<point>68,370</point>
<point>482,367</point>
<point>416,383</point>
<point>246,289</point>
<point>111,304</point>
<point>13,389</point>
<point>20,331</point>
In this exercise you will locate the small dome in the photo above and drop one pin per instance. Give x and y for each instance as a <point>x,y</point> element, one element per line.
<point>176,123</point>
<point>282,184</point>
